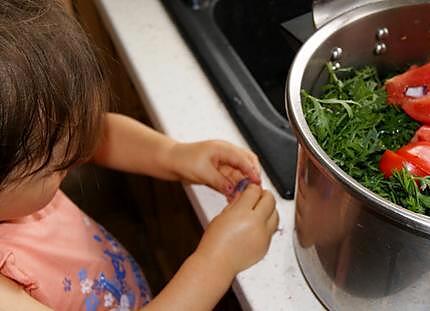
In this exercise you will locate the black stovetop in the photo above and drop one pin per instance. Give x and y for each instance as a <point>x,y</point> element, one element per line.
<point>242,47</point>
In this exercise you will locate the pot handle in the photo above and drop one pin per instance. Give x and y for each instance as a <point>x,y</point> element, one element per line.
<point>299,29</point>
<point>327,10</point>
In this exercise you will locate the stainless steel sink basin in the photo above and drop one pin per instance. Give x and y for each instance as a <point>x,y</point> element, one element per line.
<point>242,47</point>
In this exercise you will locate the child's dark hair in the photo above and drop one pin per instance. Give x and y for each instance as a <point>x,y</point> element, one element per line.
<point>52,90</point>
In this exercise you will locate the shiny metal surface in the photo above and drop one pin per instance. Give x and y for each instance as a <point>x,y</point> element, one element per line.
<point>357,250</point>
<point>380,48</point>
<point>382,33</point>
<point>336,53</point>
<point>327,10</point>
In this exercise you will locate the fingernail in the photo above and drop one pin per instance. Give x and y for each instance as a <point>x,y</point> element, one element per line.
<point>256,172</point>
<point>241,185</point>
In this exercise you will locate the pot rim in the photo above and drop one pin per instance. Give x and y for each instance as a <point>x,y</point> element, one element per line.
<point>388,209</point>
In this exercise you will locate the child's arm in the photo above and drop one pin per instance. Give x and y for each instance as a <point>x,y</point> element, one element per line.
<point>13,297</point>
<point>233,241</point>
<point>130,146</point>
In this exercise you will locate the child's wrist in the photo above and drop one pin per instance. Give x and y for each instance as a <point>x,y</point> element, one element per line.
<point>219,264</point>
<point>169,160</point>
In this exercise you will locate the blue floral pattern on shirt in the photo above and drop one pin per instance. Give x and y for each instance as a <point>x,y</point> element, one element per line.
<point>115,294</point>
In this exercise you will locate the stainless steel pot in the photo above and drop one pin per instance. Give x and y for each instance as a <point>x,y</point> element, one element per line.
<point>357,250</point>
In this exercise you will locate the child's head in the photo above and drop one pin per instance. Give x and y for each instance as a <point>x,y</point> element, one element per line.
<point>52,95</point>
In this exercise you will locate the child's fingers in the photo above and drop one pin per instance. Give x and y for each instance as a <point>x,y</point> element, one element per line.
<point>227,172</point>
<point>228,154</point>
<point>273,221</point>
<point>266,205</point>
<point>256,163</point>
<point>236,176</point>
<point>231,173</point>
<point>220,182</point>
<point>241,185</point>
<point>249,198</point>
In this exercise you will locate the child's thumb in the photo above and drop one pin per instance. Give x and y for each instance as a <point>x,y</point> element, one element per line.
<point>219,182</point>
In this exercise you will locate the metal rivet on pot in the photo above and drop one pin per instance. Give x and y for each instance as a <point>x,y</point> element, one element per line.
<point>382,33</point>
<point>336,53</point>
<point>380,48</point>
<point>336,65</point>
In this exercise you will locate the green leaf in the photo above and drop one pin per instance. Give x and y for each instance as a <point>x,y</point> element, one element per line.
<point>353,123</point>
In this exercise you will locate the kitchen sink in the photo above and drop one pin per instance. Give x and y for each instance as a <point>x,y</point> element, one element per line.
<point>245,52</point>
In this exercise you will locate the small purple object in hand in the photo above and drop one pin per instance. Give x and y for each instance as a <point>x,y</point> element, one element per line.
<point>241,185</point>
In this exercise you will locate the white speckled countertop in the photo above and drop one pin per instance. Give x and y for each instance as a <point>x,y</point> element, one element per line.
<point>183,104</point>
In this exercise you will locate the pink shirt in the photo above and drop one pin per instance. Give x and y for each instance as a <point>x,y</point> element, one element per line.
<point>67,261</point>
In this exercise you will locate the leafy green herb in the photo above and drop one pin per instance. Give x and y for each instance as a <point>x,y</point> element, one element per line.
<point>353,123</point>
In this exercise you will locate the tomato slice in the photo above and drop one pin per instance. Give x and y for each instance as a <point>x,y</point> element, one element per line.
<point>411,90</point>
<point>418,154</point>
<point>418,109</point>
<point>422,134</point>
<point>391,161</point>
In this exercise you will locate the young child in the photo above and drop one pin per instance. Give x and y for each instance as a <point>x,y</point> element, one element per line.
<point>52,117</point>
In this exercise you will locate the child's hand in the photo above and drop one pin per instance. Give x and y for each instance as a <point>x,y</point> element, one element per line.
<point>236,239</point>
<point>218,164</point>
<point>240,236</point>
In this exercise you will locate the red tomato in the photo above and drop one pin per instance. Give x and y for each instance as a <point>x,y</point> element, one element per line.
<point>418,154</point>
<point>419,109</point>
<point>391,161</point>
<point>422,134</point>
<point>410,90</point>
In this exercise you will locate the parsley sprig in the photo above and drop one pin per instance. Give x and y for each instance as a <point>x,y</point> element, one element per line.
<point>353,123</point>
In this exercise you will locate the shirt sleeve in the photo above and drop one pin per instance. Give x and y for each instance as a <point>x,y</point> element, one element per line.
<point>11,270</point>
